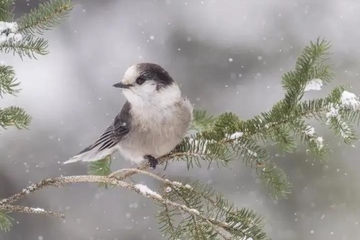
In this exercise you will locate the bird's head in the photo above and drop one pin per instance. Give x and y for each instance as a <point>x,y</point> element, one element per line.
<point>148,83</point>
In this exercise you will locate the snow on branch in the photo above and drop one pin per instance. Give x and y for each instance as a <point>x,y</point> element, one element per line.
<point>314,84</point>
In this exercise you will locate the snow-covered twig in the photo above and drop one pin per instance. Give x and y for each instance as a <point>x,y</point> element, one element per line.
<point>24,209</point>
<point>314,84</point>
<point>120,175</point>
<point>160,179</point>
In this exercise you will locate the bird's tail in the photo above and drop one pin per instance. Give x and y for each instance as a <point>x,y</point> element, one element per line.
<point>91,154</point>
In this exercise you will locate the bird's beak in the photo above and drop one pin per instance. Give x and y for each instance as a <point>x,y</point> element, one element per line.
<point>122,85</point>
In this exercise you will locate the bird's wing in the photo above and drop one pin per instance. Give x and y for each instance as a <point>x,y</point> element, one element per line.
<point>108,140</point>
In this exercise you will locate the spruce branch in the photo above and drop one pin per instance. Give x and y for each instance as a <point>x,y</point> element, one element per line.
<point>214,206</point>
<point>6,222</point>
<point>14,116</point>
<point>45,17</point>
<point>202,121</point>
<point>8,82</point>
<point>100,168</point>
<point>22,43</point>
<point>29,46</point>
<point>5,10</point>
<point>311,64</point>
<point>166,221</point>
<point>229,140</point>
<point>201,197</point>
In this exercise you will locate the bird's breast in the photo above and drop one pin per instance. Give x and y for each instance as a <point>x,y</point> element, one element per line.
<point>156,132</point>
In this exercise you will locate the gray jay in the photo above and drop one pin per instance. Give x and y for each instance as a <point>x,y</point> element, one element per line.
<point>153,120</point>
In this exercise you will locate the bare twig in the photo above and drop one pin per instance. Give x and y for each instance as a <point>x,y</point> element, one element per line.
<point>23,209</point>
<point>57,183</point>
<point>136,170</point>
<point>32,188</point>
<point>125,173</point>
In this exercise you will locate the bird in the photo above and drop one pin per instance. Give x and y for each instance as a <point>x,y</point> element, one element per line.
<point>152,122</point>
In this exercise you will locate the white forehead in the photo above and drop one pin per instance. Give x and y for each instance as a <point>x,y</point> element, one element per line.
<point>130,73</point>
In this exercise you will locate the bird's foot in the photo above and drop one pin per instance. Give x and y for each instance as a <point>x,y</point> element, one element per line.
<point>152,161</point>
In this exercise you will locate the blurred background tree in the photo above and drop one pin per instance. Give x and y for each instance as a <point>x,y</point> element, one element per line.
<point>20,36</point>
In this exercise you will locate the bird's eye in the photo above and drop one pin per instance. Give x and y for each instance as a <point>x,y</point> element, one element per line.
<point>140,80</point>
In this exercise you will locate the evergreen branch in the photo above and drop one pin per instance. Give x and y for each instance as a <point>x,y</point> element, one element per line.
<point>309,65</point>
<point>306,134</point>
<point>28,46</point>
<point>237,135</point>
<point>350,116</point>
<point>45,17</point>
<point>5,10</point>
<point>6,222</point>
<point>275,180</point>
<point>8,82</point>
<point>343,129</point>
<point>166,221</point>
<point>202,121</point>
<point>23,45</point>
<point>220,209</point>
<point>190,228</point>
<point>254,156</point>
<point>14,116</point>
<point>100,168</point>
<point>266,125</point>
<point>332,112</point>
<point>282,135</point>
<point>193,195</point>
<point>213,232</point>
<point>213,206</point>
<point>197,148</point>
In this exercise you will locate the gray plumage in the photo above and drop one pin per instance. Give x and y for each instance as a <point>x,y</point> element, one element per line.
<point>152,122</point>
